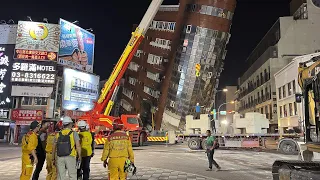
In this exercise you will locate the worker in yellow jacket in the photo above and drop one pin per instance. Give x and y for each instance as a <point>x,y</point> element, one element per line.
<point>87,150</point>
<point>29,156</point>
<point>117,150</point>
<point>51,166</point>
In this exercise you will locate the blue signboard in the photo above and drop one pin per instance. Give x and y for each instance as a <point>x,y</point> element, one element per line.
<point>76,47</point>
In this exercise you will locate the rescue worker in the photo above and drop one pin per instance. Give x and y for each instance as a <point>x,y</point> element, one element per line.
<point>68,149</point>
<point>117,150</point>
<point>86,141</point>
<point>51,166</point>
<point>40,150</point>
<point>29,156</point>
<point>211,144</point>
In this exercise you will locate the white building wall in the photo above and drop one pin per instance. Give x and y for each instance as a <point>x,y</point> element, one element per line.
<point>286,75</point>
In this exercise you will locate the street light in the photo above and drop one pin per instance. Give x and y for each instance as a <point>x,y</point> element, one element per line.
<point>225,122</point>
<point>231,102</point>
<point>219,90</point>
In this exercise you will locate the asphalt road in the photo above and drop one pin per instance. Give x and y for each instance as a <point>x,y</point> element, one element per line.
<point>172,162</point>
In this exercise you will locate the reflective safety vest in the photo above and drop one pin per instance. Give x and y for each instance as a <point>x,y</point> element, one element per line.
<point>86,143</point>
<point>50,142</point>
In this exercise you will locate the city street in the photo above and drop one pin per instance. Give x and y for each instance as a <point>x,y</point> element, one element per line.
<point>173,162</point>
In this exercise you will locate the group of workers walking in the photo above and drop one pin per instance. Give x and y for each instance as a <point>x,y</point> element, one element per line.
<point>65,150</point>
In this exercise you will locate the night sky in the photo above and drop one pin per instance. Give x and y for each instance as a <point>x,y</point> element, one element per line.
<point>112,22</point>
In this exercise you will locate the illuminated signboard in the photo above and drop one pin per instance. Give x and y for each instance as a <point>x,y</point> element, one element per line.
<point>34,72</point>
<point>76,47</point>
<point>26,115</point>
<point>34,55</point>
<point>79,90</point>
<point>6,60</point>
<point>37,41</point>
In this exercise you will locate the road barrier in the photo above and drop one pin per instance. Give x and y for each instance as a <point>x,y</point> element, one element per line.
<point>157,139</point>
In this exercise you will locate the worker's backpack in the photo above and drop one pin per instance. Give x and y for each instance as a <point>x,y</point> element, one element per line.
<point>64,144</point>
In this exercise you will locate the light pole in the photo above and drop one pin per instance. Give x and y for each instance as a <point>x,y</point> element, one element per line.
<point>218,112</point>
<point>215,95</point>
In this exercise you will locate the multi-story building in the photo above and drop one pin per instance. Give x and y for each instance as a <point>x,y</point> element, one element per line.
<point>201,40</point>
<point>289,37</point>
<point>290,114</point>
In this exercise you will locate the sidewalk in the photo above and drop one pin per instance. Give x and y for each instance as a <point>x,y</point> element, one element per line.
<point>5,144</point>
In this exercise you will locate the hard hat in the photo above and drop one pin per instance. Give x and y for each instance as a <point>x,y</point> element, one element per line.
<point>66,120</point>
<point>82,124</point>
<point>117,124</point>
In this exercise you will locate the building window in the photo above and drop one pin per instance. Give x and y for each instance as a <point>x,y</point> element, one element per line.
<point>290,109</point>
<point>133,66</point>
<point>281,112</point>
<point>132,81</point>
<point>172,103</point>
<point>153,59</point>
<point>40,101</point>
<point>289,89</point>
<point>295,108</point>
<point>152,76</point>
<point>266,111</point>
<point>284,91</point>
<point>128,93</point>
<point>279,90</point>
<point>26,101</point>
<point>161,43</point>
<point>138,53</point>
<point>285,112</point>
<point>163,26</point>
<point>294,86</point>
<point>188,29</point>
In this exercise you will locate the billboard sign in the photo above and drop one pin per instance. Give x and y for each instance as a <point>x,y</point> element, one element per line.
<point>6,52</point>
<point>37,41</point>
<point>4,113</point>
<point>80,89</point>
<point>76,47</point>
<point>31,91</point>
<point>43,72</point>
<point>26,115</point>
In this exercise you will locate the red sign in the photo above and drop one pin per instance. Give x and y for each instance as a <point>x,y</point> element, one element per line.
<point>73,114</point>
<point>26,115</point>
<point>34,55</point>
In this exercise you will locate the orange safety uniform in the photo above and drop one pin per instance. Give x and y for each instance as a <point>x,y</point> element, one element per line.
<point>51,168</point>
<point>29,143</point>
<point>118,149</point>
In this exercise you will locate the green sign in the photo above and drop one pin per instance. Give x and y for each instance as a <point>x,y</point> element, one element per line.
<point>223,112</point>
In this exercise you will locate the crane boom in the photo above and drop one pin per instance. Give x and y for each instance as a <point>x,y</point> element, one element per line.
<point>99,115</point>
<point>110,88</point>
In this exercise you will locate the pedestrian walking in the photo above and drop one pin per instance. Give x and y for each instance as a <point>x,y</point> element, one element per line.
<point>29,156</point>
<point>211,145</point>
<point>67,146</point>
<point>41,153</point>
<point>116,152</point>
<point>51,166</point>
<point>87,150</point>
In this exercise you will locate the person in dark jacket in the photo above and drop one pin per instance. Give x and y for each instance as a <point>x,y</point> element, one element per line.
<point>40,150</point>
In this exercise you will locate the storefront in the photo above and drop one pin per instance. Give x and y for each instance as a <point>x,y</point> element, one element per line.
<point>23,119</point>
<point>4,126</point>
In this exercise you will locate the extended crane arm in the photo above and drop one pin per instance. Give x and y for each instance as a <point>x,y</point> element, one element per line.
<point>108,93</point>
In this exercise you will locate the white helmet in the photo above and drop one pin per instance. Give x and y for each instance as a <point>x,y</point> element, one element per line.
<point>87,127</point>
<point>66,120</point>
<point>82,124</point>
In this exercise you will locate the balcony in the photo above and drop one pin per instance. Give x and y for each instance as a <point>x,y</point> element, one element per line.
<point>254,86</point>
